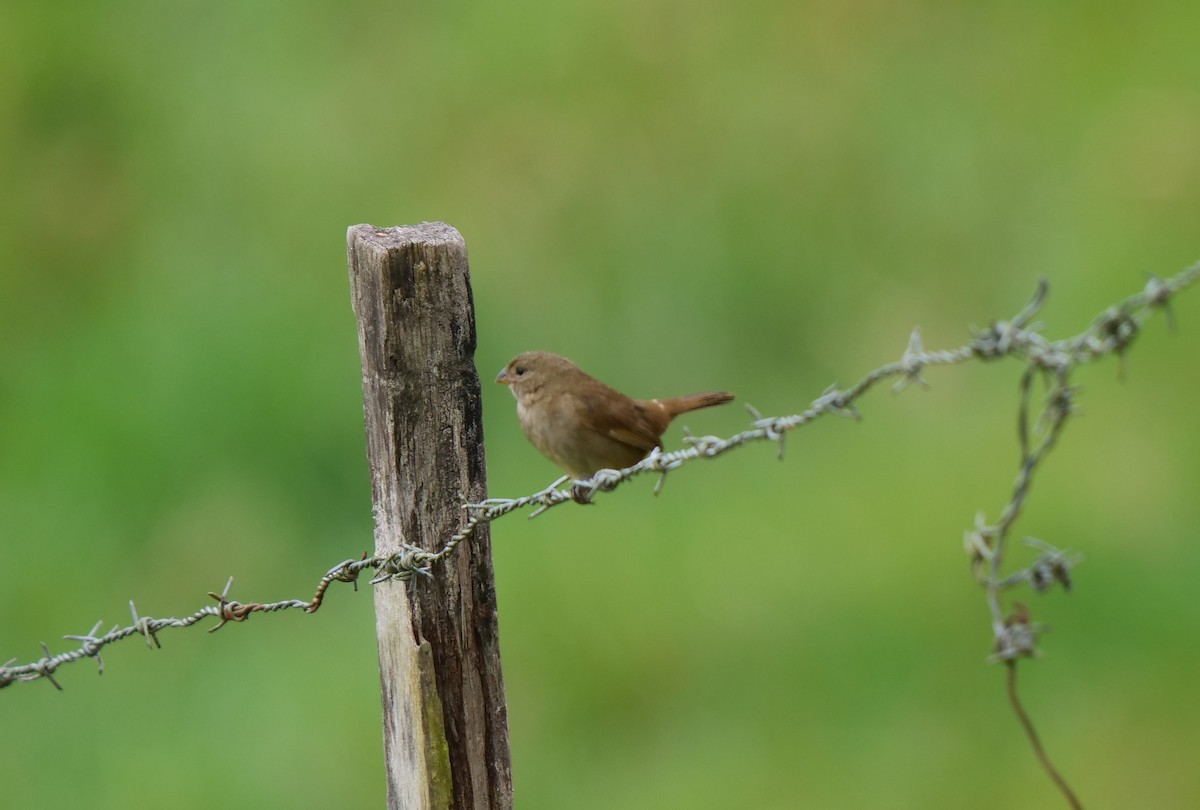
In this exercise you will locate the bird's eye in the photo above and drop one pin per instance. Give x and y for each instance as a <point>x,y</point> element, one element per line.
<point>520,370</point>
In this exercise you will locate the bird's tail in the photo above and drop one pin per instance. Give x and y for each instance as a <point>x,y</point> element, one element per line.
<point>693,402</point>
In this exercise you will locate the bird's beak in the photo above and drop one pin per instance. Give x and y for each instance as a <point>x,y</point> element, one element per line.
<point>502,377</point>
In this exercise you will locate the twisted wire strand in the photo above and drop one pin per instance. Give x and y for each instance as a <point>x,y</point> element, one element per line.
<point>1110,332</point>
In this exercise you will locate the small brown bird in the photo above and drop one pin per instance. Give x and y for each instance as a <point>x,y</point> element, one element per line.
<point>580,423</point>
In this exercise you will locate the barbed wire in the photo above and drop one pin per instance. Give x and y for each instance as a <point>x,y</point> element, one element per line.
<point>1110,332</point>
<point>1113,331</point>
<point>226,610</point>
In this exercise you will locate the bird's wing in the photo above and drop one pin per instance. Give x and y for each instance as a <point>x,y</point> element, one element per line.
<point>626,421</point>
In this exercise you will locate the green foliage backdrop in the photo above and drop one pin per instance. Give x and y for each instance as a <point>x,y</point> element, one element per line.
<point>762,196</point>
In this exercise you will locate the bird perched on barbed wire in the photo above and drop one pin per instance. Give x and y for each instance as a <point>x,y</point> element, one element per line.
<point>581,424</point>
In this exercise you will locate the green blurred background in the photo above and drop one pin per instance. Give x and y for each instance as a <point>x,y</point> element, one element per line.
<point>764,197</point>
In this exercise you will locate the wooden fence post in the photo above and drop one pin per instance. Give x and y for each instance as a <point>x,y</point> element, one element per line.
<point>445,724</point>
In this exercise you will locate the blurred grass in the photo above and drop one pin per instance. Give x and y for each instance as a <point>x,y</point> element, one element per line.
<point>678,196</point>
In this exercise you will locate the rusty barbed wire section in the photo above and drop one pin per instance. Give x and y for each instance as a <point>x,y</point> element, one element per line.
<point>1112,332</point>
<point>226,610</point>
